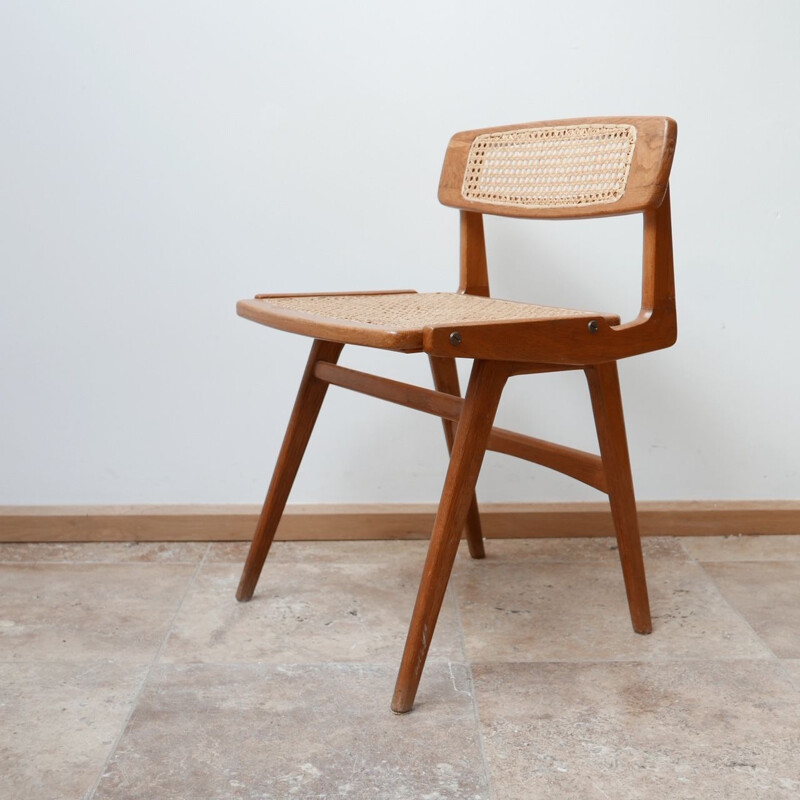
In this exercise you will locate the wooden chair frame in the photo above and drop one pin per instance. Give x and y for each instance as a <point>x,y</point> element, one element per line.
<point>500,350</point>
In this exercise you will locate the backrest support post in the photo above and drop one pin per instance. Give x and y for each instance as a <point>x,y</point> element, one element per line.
<point>474,271</point>
<point>658,281</point>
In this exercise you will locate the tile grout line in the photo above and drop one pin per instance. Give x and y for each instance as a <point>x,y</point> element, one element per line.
<point>448,661</point>
<point>90,794</point>
<point>473,693</point>
<point>792,678</point>
<point>728,603</point>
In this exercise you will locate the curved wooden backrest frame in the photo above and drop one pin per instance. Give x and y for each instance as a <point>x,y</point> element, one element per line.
<point>646,181</point>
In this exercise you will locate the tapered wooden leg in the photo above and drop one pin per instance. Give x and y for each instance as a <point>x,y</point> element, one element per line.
<point>298,432</point>
<point>445,379</point>
<point>483,394</point>
<point>607,404</point>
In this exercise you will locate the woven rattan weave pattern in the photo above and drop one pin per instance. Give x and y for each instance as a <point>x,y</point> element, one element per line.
<point>565,166</point>
<point>414,311</point>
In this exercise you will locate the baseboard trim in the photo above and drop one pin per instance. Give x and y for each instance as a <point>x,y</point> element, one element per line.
<point>385,521</point>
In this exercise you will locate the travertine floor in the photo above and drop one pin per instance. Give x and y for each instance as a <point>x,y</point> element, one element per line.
<point>129,671</point>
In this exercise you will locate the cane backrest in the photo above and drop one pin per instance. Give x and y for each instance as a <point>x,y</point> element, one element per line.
<point>567,168</point>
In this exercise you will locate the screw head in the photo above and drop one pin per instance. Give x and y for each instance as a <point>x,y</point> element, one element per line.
<point>455,338</point>
<point>593,326</point>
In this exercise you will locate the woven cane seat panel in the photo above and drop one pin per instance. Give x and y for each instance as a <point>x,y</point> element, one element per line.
<point>415,311</point>
<point>551,167</point>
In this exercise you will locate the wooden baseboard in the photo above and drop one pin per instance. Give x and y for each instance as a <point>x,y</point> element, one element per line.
<point>385,521</point>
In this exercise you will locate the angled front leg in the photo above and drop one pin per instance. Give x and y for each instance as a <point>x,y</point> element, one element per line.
<point>445,379</point>
<point>304,415</point>
<point>607,404</point>
<point>483,395</point>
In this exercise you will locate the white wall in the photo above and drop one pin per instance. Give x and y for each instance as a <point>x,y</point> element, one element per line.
<point>160,160</point>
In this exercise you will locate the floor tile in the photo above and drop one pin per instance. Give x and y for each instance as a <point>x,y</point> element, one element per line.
<point>366,552</point>
<point>767,595</point>
<point>710,730</point>
<point>743,548</point>
<point>103,552</point>
<point>288,695</point>
<point>81,612</point>
<point>306,613</point>
<point>266,732</point>
<point>578,612</point>
<point>58,723</point>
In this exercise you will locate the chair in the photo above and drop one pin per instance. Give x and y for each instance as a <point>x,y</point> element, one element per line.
<point>565,169</point>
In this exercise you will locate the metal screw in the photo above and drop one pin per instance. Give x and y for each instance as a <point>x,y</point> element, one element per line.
<point>455,338</point>
<point>594,326</point>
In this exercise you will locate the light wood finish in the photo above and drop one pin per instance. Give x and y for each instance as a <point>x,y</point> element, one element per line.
<point>483,395</point>
<point>510,174</point>
<point>445,379</point>
<point>304,415</point>
<point>387,521</point>
<point>607,405</point>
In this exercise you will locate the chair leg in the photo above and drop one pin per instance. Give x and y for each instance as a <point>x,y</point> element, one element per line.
<point>298,432</point>
<point>445,379</point>
<point>483,394</point>
<point>607,404</point>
